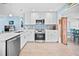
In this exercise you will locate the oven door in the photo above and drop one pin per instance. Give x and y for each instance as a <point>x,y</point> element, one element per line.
<point>39,36</point>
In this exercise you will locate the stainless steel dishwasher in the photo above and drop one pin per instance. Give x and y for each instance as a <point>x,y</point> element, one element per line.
<point>13,46</point>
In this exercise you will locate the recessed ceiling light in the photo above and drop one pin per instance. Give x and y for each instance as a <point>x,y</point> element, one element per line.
<point>10,15</point>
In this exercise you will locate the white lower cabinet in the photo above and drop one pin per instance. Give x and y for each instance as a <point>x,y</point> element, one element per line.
<point>23,39</point>
<point>28,35</point>
<point>2,48</point>
<point>51,36</point>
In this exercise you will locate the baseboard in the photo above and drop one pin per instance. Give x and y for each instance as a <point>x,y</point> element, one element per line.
<point>41,42</point>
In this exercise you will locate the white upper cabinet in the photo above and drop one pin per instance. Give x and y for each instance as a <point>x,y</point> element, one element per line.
<point>34,16</point>
<point>51,18</point>
<point>41,15</point>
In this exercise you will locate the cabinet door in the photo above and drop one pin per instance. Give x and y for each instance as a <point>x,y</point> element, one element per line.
<point>37,16</point>
<point>34,16</point>
<point>29,35</point>
<point>2,48</point>
<point>51,36</point>
<point>51,18</point>
<point>48,36</point>
<point>23,39</point>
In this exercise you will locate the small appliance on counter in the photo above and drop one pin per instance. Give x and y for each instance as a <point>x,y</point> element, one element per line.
<point>12,28</point>
<point>6,28</point>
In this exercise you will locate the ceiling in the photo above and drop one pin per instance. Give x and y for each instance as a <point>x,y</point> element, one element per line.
<point>26,7</point>
<point>19,8</point>
<point>72,12</point>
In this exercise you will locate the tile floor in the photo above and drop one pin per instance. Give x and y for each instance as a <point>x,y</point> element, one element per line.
<point>50,49</point>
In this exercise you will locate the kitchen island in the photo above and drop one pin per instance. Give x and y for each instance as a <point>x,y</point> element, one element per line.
<point>9,44</point>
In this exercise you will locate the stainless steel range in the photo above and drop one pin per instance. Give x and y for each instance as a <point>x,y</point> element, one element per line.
<point>40,35</point>
<point>39,30</point>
